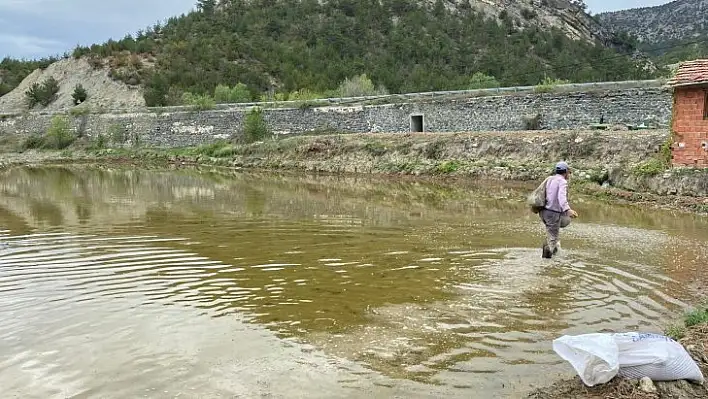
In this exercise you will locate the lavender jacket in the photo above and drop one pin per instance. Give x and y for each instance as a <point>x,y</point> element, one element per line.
<point>557,194</point>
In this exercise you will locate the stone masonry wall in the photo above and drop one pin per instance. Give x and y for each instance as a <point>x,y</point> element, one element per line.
<point>487,113</point>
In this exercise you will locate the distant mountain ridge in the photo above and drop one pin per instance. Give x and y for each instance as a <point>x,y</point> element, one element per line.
<point>675,21</point>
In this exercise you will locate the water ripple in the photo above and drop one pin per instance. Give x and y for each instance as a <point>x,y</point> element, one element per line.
<point>505,304</point>
<point>448,289</point>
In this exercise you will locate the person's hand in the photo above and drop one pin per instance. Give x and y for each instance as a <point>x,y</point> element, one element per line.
<point>572,213</point>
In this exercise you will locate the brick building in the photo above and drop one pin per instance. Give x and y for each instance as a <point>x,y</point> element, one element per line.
<point>690,114</point>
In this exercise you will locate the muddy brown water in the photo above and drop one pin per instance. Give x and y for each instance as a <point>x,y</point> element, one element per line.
<point>122,283</point>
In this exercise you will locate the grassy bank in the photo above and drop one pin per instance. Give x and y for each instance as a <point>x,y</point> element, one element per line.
<point>619,165</point>
<point>691,331</point>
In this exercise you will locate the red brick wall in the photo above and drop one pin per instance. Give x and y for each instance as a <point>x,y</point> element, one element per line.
<point>690,127</point>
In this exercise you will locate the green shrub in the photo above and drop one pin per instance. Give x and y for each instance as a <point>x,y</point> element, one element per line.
<point>375,148</point>
<point>204,103</point>
<point>59,134</point>
<point>79,111</point>
<point>238,94</point>
<point>222,94</point>
<point>404,167</point>
<point>695,317</point>
<point>80,51</point>
<point>665,150</point>
<point>304,95</point>
<point>80,95</point>
<point>116,135</point>
<point>359,86</point>
<point>100,142</point>
<point>482,81</point>
<point>675,331</point>
<point>32,142</point>
<point>267,97</point>
<point>201,102</point>
<point>225,151</point>
<point>650,167</point>
<point>43,94</point>
<point>157,90</point>
<point>217,149</point>
<point>528,14</point>
<point>548,85</point>
<point>255,127</point>
<point>5,88</point>
<point>448,167</point>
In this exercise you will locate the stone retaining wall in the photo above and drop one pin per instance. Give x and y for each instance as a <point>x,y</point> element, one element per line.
<point>490,113</point>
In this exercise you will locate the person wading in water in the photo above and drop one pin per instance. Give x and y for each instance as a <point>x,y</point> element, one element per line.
<point>556,207</point>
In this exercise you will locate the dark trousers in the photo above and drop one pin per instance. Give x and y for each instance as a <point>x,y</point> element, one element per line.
<point>552,221</point>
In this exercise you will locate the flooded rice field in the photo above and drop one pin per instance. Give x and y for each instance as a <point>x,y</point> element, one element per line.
<point>119,283</point>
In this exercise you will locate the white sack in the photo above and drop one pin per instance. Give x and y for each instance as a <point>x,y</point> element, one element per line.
<point>597,358</point>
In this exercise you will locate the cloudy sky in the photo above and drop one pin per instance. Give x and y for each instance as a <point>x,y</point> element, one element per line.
<point>37,28</point>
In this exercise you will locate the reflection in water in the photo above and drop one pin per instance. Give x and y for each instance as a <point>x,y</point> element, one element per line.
<point>432,283</point>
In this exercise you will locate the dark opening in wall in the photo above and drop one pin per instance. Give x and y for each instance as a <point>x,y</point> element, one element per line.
<point>416,123</point>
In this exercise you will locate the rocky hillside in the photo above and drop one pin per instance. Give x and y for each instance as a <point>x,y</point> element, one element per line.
<point>102,91</point>
<point>302,49</point>
<point>564,15</point>
<point>678,20</point>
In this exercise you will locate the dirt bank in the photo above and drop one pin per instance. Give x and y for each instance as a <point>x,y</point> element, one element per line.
<point>695,341</point>
<point>619,165</point>
<point>634,161</point>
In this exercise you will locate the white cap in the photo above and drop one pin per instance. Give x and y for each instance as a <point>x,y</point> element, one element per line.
<point>560,166</point>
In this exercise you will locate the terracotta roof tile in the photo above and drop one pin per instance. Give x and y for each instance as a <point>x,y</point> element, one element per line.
<point>690,73</point>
